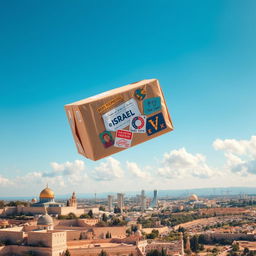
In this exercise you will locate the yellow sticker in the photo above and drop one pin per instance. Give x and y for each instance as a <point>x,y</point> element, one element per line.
<point>110,104</point>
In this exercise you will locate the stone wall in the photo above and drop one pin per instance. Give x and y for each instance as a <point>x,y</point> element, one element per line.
<point>21,250</point>
<point>116,232</point>
<point>41,238</point>
<point>9,210</point>
<point>12,236</point>
<point>47,239</point>
<point>111,251</point>
<point>160,230</point>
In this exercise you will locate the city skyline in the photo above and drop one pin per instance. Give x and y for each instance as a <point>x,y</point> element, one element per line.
<point>203,57</point>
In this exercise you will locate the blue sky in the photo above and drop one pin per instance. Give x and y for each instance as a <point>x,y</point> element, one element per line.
<point>56,52</point>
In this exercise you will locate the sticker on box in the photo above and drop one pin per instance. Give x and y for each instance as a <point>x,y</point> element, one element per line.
<point>140,94</point>
<point>152,105</point>
<point>155,124</point>
<point>106,139</point>
<point>138,124</point>
<point>110,104</point>
<point>123,139</point>
<point>119,117</point>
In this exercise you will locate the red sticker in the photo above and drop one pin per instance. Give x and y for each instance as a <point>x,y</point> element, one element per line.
<point>123,139</point>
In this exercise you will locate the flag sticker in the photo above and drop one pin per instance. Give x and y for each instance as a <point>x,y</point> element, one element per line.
<point>155,124</point>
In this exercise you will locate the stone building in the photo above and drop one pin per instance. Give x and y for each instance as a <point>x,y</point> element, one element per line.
<point>46,201</point>
<point>72,201</point>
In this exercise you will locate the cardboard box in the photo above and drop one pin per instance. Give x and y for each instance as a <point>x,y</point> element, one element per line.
<point>118,119</point>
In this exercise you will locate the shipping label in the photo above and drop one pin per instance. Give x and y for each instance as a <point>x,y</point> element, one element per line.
<point>110,104</point>
<point>123,139</point>
<point>119,117</point>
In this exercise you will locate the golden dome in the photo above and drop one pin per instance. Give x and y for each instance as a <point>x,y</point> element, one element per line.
<point>47,193</point>
<point>193,198</point>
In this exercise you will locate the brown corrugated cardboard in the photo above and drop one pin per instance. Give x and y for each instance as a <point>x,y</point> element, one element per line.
<point>117,119</point>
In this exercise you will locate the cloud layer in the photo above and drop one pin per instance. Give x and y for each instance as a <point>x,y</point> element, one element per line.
<point>173,168</point>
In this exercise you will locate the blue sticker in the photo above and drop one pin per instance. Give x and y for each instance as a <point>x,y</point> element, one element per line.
<point>152,105</point>
<point>155,124</point>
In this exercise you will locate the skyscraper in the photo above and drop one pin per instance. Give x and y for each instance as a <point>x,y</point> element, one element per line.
<point>110,203</point>
<point>153,203</point>
<point>120,201</point>
<point>143,201</point>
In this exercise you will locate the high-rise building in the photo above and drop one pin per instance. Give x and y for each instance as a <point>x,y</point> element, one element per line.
<point>153,203</point>
<point>120,201</point>
<point>110,203</point>
<point>143,201</point>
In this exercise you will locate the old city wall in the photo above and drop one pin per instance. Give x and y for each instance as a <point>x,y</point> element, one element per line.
<point>21,250</point>
<point>12,236</point>
<point>215,237</point>
<point>124,251</point>
<point>31,210</point>
<point>10,210</point>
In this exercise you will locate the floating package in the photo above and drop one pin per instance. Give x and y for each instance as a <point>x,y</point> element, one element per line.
<point>118,119</point>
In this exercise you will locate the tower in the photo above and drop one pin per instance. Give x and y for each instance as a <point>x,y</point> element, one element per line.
<point>110,203</point>
<point>120,201</point>
<point>143,201</point>
<point>153,203</point>
<point>72,201</point>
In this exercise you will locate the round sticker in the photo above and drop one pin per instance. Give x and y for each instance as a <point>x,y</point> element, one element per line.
<point>138,122</point>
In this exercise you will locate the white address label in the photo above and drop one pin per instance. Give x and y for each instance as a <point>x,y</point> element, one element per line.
<point>120,116</point>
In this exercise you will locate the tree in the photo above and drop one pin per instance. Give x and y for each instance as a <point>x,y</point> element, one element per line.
<point>102,253</point>
<point>104,217</point>
<point>84,216</point>
<point>154,234</point>
<point>246,251</point>
<point>201,239</point>
<point>67,253</point>
<point>163,253</point>
<point>1,204</point>
<point>102,208</point>
<point>157,253</point>
<point>117,210</point>
<point>90,213</point>
<point>194,244</point>
<point>108,235</point>
<point>71,215</point>
<point>235,247</point>
<point>181,229</point>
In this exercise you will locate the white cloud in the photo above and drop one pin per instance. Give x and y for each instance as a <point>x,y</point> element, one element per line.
<point>136,170</point>
<point>4,181</point>
<point>180,164</point>
<point>62,174</point>
<point>240,155</point>
<point>237,147</point>
<point>65,169</point>
<point>108,170</point>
